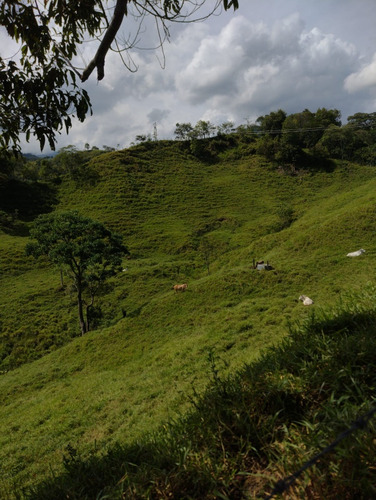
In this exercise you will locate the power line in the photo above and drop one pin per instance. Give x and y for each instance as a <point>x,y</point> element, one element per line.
<point>297,130</point>
<point>284,484</point>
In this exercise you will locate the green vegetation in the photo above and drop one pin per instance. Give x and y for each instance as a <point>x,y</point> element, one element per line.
<point>84,249</point>
<point>196,216</point>
<point>248,430</point>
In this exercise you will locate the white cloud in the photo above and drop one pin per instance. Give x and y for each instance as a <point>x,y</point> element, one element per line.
<point>291,55</point>
<point>363,79</point>
<point>249,67</point>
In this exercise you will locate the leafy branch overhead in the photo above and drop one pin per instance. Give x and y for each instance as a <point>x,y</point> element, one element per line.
<point>40,85</point>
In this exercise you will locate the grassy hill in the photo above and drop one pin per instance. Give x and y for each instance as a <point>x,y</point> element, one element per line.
<point>184,220</point>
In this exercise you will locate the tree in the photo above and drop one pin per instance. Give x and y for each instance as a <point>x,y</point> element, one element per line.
<point>365,126</point>
<point>203,129</point>
<point>325,117</point>
<point>299,129</point>
<point>183,131</point>
<point>143,138</point>
<point>341,142</point>
<point>40,90</point>
<point>363,120</point>
<point>87,251</point>
<point>305,129</point>
<point>225,128</point>
<point>272,123</point>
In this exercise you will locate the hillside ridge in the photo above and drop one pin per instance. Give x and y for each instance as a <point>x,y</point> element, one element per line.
<point>183,220</point>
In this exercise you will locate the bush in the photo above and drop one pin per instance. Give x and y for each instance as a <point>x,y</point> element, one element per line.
<point>11,225</point>
<point>288,153</point>
<point>366,156</point>
<point>200,148</point>
<point>266,146</point>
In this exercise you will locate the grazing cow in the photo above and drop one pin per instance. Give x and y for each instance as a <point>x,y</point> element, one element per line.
<point>356,254</point>
<point>260,265</point>
<point>306,300</point>
<point>180,288</point>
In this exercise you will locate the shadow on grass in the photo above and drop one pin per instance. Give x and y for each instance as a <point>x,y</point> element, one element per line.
<point>27,199</point>
<point>249,424</point>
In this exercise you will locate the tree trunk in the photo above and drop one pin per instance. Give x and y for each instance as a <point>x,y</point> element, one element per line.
<point>88,317</point>
<point>81,312</point>
<point>88,309</point>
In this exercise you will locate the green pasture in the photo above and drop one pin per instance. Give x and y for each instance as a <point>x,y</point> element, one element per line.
<point>183,221</point>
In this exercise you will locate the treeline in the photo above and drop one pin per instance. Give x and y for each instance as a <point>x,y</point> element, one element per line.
<point>285,138</point>
<point>28,185</point>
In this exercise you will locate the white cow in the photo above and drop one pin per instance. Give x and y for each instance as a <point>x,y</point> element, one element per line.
<point>356,254</point>
<point>306,300</point>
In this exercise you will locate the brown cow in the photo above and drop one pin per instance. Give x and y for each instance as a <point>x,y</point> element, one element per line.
<point>180,288</point>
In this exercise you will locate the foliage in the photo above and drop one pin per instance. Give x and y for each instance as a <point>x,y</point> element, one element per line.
<point>225,128</point>
<point>341,142</point>
<point>183,131</point>
<point>287,137</point>
<point>363,120</point>
<point>267,147</point>
<point>202,150</point>
<point>273,122</point>
<point>287,152</point>
<point>40,92</point>
<point>123,380</point>
<point>203,129</point>
<point>143,138</point>
<point>25,199</point>
<point>249,429</point>
<point>297,125</point>
<point>73,163</point>
<point>366,155</point>
<point>84,248</point>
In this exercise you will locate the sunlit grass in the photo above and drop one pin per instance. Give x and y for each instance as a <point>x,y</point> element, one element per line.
<point>152,347</point>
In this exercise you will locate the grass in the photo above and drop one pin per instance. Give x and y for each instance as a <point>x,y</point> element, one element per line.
<point>152,347</point>
<point>251,428</point>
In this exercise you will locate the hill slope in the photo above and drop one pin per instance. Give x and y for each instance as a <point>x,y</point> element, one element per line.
<point>184,220</point>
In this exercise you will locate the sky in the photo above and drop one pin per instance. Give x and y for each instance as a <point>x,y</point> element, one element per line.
<point>268,55</point>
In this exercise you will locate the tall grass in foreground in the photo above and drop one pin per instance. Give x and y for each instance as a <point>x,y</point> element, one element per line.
<point>251,429</point>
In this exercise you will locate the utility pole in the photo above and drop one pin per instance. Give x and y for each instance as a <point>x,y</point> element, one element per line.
<point>155,132</point>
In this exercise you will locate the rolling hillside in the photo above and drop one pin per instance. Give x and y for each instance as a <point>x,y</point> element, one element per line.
<point>184,220</point>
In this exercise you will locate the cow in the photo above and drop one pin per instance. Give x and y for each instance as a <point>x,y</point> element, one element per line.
<point>356,254</point>
<point>306,300</point>
<point>180,288</point>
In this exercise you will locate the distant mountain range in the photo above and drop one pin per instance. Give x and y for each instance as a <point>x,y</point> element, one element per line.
<point>32,157</point>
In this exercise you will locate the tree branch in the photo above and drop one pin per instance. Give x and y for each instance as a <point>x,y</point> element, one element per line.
<point>109,36</point>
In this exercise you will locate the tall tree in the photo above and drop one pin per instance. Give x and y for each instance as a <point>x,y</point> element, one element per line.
<point>363,120</point>
<point>298,128</point>
<point>272,123</point>
<point>203,129</point>
<point>183,131</point>
<point>305,129</point>
<point>225,128</point>
<point>39,90</point>
<point>87,251</point>
<point>325,117</point>
<point>341,142</point>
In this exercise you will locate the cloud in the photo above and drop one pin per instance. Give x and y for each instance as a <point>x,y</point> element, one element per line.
<point>234,68</point>
<point>249,67</point>
<point>364,79</point>
<point>158,115</point>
